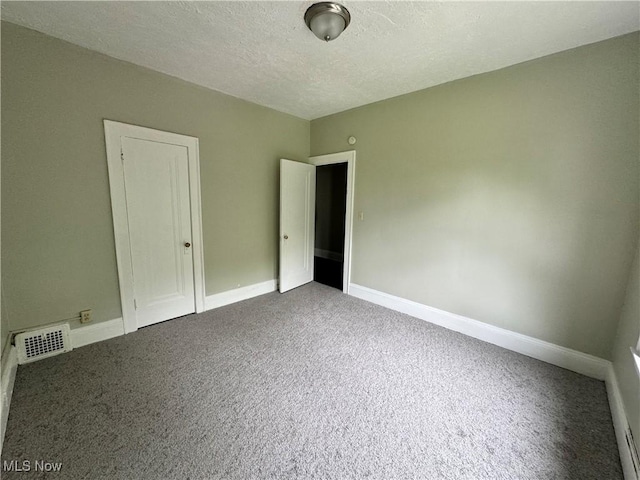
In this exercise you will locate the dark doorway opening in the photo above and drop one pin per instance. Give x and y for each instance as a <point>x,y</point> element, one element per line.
<point>331,207</point>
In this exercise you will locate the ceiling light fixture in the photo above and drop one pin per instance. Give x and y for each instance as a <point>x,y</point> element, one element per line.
<point>327,20</point>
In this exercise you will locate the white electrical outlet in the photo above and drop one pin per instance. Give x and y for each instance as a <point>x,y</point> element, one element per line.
<point>85,316</point>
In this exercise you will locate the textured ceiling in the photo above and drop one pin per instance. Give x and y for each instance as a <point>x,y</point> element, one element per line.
<point>264,53</point>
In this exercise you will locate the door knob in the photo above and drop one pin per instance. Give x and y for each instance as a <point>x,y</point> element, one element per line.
<point>286,237</point>
<point>187,244</point>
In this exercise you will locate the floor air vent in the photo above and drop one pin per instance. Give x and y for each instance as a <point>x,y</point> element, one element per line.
<point>45,342</point>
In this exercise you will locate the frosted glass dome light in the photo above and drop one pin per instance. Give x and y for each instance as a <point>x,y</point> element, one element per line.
<point>327,20</point>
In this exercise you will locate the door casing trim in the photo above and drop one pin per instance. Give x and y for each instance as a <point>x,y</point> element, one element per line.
<point>113,132</point>
<point>348,157</point>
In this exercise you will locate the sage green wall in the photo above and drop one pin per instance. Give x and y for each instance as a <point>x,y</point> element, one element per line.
<point>4,323</point>
<point>627,337</point>
<point>509,197</point>
<point>4,327</point>
<point>58,254</point>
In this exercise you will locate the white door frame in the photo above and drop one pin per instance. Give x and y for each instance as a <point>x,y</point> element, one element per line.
<point>113,131</point>
<point>348,157</point>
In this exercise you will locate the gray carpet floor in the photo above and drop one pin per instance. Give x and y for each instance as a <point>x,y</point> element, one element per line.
<point>311,384</point>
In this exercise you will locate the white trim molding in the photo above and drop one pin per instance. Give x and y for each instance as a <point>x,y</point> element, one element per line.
<point>547,352</point>
<point>238,294</point>
<point>9,369</point>
<point>98,332</point>
<point>114,132</point>
<point>620,425</point>
<point>348,157</point>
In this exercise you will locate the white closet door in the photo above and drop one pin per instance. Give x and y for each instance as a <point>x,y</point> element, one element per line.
<point>156,177</point>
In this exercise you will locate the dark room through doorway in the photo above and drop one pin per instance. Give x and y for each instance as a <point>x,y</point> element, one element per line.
<point>331,205</point>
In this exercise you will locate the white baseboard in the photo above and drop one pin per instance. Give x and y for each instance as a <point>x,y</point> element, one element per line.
<point>88,334</point>
<point>9,369</point>
<point>620,424</point>
<point>239,294</point>
<point>92,333</point>
<point>547,352</point>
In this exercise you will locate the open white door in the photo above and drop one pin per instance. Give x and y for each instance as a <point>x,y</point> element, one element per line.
<point>297,223</point>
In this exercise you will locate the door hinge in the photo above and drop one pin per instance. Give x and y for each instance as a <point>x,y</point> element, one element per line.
<point>135,304</point>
